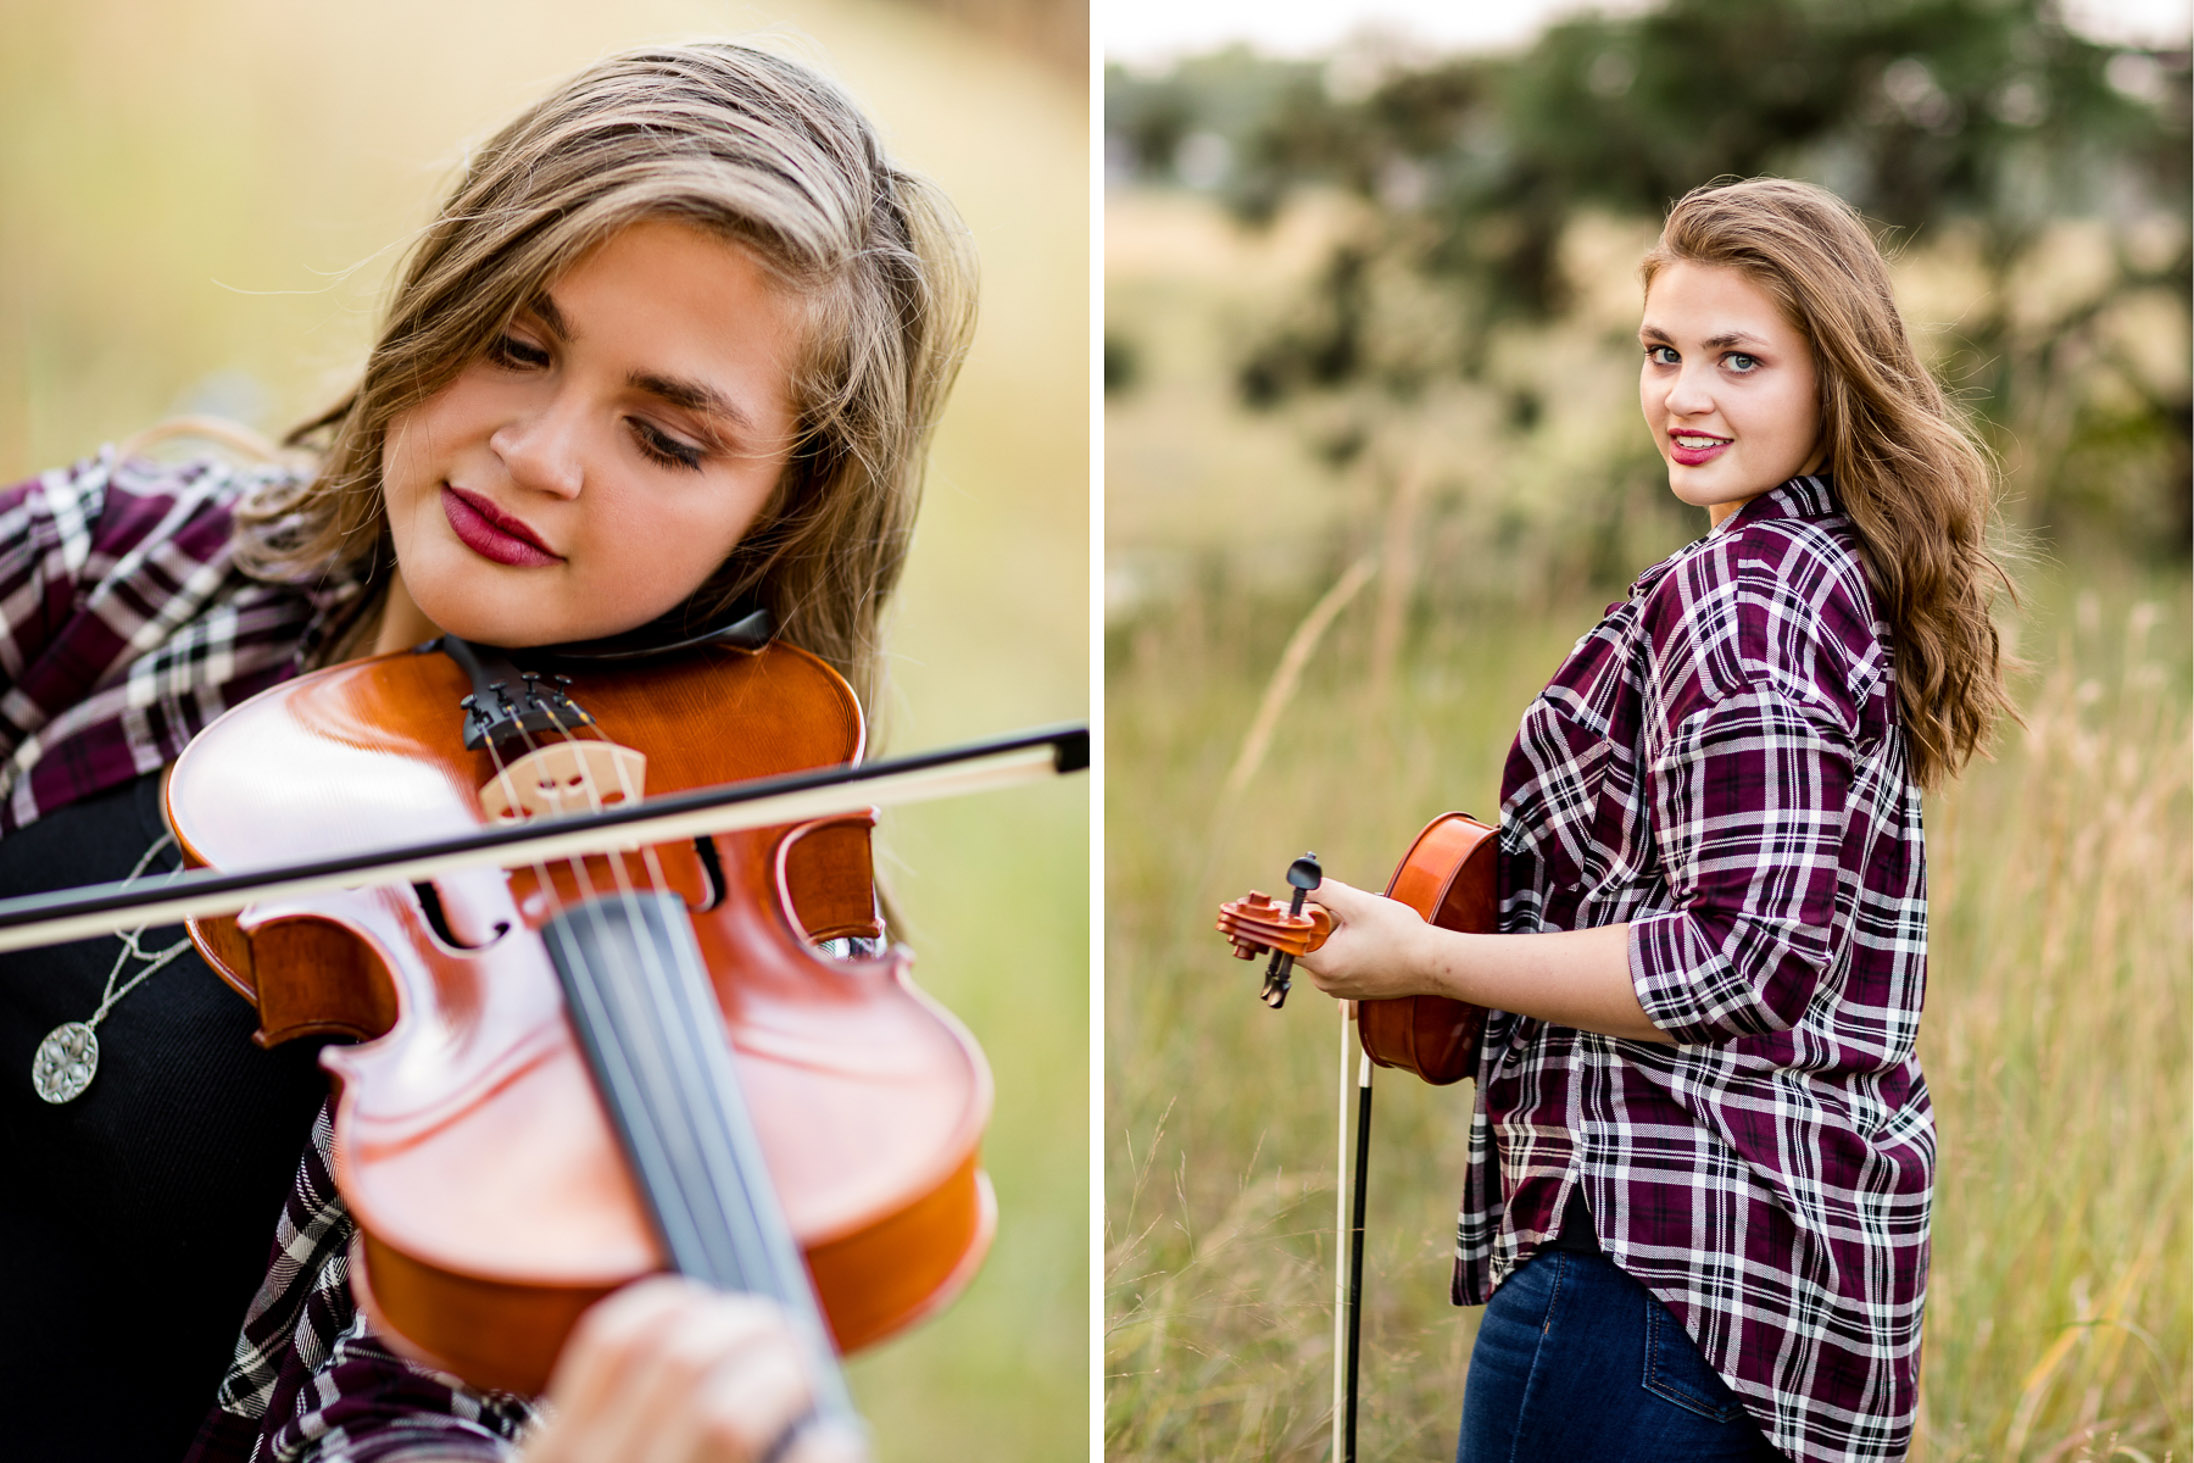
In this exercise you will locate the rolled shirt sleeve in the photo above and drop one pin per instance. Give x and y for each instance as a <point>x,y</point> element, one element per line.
<point>1749,797</point>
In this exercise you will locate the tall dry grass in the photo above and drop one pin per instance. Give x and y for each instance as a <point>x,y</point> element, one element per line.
<point>2056,1039</point>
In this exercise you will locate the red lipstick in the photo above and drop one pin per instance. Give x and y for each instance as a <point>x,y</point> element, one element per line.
<point>492,533</point>
<point>1696,456</point>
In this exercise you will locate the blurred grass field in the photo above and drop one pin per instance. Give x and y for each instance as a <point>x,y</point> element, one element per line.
<point>202,205</point>
<point>2055,1041</point>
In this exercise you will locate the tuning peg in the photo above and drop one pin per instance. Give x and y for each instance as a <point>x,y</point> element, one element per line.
<point>1304,875</point>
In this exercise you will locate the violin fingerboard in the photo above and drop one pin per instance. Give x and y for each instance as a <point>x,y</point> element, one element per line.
<point>645,1013</point>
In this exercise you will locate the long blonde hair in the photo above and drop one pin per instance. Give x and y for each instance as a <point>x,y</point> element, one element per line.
<point>1915,483</point>
<point>755,149</point>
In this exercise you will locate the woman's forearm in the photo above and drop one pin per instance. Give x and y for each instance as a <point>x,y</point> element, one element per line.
<point>1578,978</point>
<point>1379,949</point>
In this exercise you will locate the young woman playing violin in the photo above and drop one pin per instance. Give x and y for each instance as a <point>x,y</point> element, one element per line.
<point>1696,1209</point>
<point>671,351</point>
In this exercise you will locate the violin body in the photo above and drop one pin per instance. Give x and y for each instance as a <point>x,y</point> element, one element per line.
<point>492,1199</point>
<point>1448,877</point>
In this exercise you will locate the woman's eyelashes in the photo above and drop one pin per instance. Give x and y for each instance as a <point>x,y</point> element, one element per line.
<point>663,448</point>
<point>518,355</point>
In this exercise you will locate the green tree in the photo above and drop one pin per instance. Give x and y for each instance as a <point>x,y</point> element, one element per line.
<point>1989,120</point>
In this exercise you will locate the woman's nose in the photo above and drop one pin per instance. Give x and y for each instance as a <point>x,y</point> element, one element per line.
<point>542,450</point>
<point>1688,394</point>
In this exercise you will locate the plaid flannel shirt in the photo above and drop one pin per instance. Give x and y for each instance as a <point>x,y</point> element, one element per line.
<point>125,628</point>
<point>1719,763</point>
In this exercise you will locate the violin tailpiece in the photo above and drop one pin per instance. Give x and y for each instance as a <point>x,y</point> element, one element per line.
<point>510,707</point>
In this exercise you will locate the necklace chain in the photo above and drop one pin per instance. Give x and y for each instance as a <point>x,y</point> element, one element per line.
<point>68,1058</point>
<point>108,995</point>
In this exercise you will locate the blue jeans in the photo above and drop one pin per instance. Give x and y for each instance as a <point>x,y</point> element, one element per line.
<point>1576,1362</point>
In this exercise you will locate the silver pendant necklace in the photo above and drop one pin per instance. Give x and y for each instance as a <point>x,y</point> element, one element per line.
<point>68,1058</point>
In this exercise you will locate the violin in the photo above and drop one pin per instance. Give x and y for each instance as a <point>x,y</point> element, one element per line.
<point>1447,876</point>
<point>624,1054</point>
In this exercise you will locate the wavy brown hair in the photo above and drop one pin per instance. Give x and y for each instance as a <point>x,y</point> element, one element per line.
<point>1914,481</point>
<point>759,151</point>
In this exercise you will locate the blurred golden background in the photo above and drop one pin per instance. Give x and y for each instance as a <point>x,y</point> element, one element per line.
<point>199,208</point>
<point>1374,460</point>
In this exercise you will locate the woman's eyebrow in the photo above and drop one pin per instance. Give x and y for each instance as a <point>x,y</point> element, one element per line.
<point>1724,341</point>
<point>692,395</point>
<point>543,308</point>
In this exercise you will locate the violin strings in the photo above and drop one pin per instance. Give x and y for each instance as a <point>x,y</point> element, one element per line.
<point>658,881</point>
<point>590,905</point>
<point>646,1017</point>
<point>509,785</point>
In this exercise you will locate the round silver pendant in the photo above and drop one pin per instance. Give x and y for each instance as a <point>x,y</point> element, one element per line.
<point>65,1063</point>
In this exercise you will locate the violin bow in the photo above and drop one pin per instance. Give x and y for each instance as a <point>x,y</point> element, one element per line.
<point>102,909</point>
<point>1449,878</point>
<point>1349,1190</point>
<point>1351,1305</point>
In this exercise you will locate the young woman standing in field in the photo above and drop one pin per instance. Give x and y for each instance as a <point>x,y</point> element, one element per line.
<point>672,351</point>
<point>1701,1162</point>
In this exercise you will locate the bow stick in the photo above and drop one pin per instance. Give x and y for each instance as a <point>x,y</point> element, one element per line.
<point>1255,924</point>
<point>101,909</point>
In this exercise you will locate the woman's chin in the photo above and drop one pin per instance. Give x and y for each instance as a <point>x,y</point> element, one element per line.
<point>488,624</point>
<point>1687,488</point>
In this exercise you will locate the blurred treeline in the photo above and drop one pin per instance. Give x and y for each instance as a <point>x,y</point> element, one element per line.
<point>1479,219</point>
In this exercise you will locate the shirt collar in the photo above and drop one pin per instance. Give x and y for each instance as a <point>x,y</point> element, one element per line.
<point>1802,497</point>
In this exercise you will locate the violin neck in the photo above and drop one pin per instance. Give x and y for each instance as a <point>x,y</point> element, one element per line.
<point>645,1013</point>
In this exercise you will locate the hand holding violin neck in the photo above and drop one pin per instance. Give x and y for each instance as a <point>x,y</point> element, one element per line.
<point>1448,877</point>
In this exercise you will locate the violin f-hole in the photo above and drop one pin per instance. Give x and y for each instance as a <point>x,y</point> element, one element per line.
<point>712,873</point>
<point>430,903</point>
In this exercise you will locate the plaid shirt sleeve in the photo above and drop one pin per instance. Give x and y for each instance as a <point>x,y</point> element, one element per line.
<point>125,626</point>
<point>45,546</point>
<point>311,1383</point>
<point>1747,795</point>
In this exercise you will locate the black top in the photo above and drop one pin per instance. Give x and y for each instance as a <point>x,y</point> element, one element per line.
<point>136,1221</point>
<point>1576,1234</point>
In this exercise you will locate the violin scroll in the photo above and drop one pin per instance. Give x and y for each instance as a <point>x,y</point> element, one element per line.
<point>1255,925</point>
<point>1447,876</point>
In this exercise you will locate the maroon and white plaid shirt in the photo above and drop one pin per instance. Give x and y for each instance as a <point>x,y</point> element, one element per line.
<point>1719,763</point>
<point>125,628</point>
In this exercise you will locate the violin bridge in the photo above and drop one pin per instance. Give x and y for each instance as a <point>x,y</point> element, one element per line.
<point>564,777</point>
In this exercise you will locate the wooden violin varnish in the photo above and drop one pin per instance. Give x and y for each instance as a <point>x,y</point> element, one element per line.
<point>576,1073</point>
